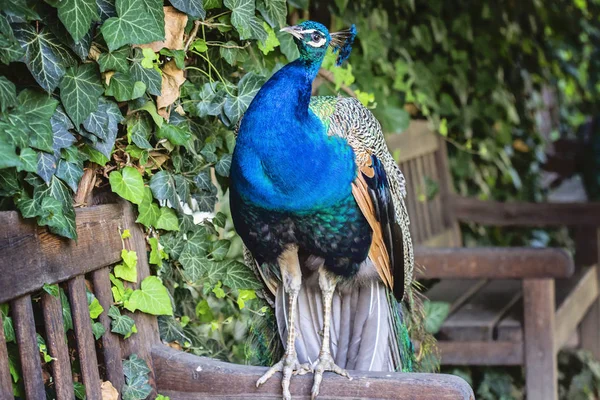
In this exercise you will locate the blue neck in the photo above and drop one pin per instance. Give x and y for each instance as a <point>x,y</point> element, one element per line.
<point>283,159</point>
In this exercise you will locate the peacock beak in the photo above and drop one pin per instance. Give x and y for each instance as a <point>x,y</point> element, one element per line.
<point>295,31</point>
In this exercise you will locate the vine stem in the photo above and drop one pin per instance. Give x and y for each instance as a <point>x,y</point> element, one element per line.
<point>193,34</point>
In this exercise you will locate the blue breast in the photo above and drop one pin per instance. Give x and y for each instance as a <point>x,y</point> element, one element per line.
<point>283,159</point>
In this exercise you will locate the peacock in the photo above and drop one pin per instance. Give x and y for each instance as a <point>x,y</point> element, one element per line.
<point>318,201</point>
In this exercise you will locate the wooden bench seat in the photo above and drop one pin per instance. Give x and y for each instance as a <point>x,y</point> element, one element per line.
<point>508,306</point>
<point>31,257</point>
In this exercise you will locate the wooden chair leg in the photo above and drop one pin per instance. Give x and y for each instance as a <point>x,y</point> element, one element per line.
<point>589,330</point>
<point>540,354</point>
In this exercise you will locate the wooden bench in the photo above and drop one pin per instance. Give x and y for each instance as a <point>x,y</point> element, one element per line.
<point>508,306</point>
<point>31,257</point>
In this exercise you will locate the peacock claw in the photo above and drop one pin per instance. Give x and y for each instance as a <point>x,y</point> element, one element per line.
<point>288,366</point>
<point>325,363</point>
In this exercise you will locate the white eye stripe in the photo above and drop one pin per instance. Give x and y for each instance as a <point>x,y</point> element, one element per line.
<point>320,43</point>
<point>307,31</point>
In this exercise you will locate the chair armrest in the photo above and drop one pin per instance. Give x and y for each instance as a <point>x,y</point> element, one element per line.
<point>493,262</point>
<point>182,376</point>
<point>524,214</point>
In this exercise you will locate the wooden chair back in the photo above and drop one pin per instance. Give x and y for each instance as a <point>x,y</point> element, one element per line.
<point>423,159</point>
<point>30,257</point>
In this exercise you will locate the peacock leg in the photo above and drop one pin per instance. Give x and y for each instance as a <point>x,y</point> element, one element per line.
<point>289,364</point>
<point>327,283</point>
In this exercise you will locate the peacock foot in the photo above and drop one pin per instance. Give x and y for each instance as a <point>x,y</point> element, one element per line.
<point>288,366</point>
<point>325,363</point>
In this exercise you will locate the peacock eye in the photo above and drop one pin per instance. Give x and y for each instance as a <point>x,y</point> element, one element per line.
<point>315,37</point>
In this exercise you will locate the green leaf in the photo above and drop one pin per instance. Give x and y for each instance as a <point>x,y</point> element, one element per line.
<point>121,324</point>
<point>95,308</point>
<point>220,249</point>
<point>232,52</point>
<point>220,220</point>
<point>98,330</point>
<point>156,253</point>
<point>175,134</point>
<point>28,160</point>
<point>77,16</point>
<point>66,311</point>
<point>7,326</point>
<point>162,185</point>
<point>134,367</point>
<point>79,390</point>
<point>107,9</point>
<point>199,45</point>
<point>139,130</point>
<point>46,166</point>
<point>218,290</point>
<point>151,77</point>
<point>223,165</point>
<point>287,46</point>
<point>126,272</point>
<point>70,173</point>
<point>150,107</point>
<point>103,122</point>
<point>268,45</point>
<point>137,388</point>
<point>51,289</point>
<point>167,220</point>
<point>60,125</point>
<point>114,60</point>
<point>128,184</point>
<point>244,296</point>
<point>194,266</point>
<point>80,89</point>
<point>8,94</point>
<point>257,30</point>
<point>193,8</point>
<point>171,330</point>
<point>177,55</point>
<point>129,257</point>
<point>242,11</point>
<point>45,56</point>
<point>273,11</point>
<point>9,182</point>
<point>10,49</point>
<point>139,22</point>
<point>204,312</point>
<point>210,4</point>
<point>239,276</point>
<point>435,315</point>
<point>123,87</point>
<point>148,211</point>
<point>153,298</point>
<point>248,86</point>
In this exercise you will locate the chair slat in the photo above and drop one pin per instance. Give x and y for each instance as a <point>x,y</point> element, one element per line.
<point>57,346</point>
<point>31,367</point>
<point>83,335</point>
<point>437,200</point>
<point>6,392</point>
<point>111,346</point>
<point>417,216</point>
<point>425,207</point>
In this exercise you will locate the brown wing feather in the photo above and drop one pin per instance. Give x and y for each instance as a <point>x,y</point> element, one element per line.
<point>378,253</point>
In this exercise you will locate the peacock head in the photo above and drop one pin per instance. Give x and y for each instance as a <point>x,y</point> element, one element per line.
<point>313,39</point>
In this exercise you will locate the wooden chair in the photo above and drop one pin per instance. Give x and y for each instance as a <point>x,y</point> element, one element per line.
<point>509,306</point>
<point>31,257</point>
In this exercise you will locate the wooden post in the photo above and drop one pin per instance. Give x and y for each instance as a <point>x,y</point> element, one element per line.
<point>589,330</point>
<point>540,353</point>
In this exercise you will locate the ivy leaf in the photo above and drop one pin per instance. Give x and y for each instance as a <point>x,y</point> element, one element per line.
<point>194,266</point>
<point>223,165</point>
<point>98,330</point>
<point>70,173</point>
<point>126,272</point>
<point>153,298</point>
<point>77,16</point>
<point>95,308</point>
<point>114,118</point>
<point>139,22</point>
<point>134,367</point>
<point>123,87</point>
<point>248,86</point>
<point>287,46</point>
<point>51,289</point>
<point>231,52</point>
<point>239,276</point>
<point>435,314</point>
<point>104,122</point>
<point>148,211</point>
<point>139,130</point>
<point>273,11</point>
<point>268,45</point>
<point>192,8</point>
<point>167,220</point>
<point>45,56</point>
<point>151,77</point>
<point>220,249</point>
<point>170,330</point>
<point>210,4</point>
<point>114,60</point>
<point>80,90</point>
<point>79,389</point>
<point>121,324</point>
<point>128,184</point>
<point>162,185</point>
<point>46,166</point>
<point>9,182</point>
<point>242,11</point>
<point>66,311</point>
<point>28,160</point>
<point>8,94</point>
<point>61,124</point>
<point>197,243</point>
<point>137,388</point>
<point>106,9</point>
<point>257,30</point>
<point>10,49</point>
<point>175,134</point>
